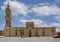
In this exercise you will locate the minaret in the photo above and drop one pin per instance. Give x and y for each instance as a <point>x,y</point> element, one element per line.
<point>8,16</point>
<point>8,21</point>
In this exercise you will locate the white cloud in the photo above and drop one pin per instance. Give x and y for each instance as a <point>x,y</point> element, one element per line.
<point>16,7</point>
<point>10,0</point>
<point>38,23</point>
<point>58,1</point>
<point>57,29</point>
<point>3,25</point>
<point>55,24</point>
<point>32,20</point>
<point>41,9</point>
<point>46,10</point>
<point>57,18</point>
<point>44,4</point>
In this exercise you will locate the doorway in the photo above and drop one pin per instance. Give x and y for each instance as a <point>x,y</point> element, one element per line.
<point>30,31</point>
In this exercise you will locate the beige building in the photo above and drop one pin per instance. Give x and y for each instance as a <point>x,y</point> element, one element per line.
<point>29,31</point>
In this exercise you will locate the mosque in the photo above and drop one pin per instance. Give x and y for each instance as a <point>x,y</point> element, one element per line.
<point>29,31</point>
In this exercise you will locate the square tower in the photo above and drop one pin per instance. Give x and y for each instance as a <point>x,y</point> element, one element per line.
<point>30,25</point>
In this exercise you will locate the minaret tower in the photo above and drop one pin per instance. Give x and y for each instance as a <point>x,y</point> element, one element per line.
<point>8,20</point>
<point>8,16</point>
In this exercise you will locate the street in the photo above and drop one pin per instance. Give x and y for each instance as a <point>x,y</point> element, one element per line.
<point>29,39</point>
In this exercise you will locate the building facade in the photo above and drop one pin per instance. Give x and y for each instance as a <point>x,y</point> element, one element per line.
<point>29,31</point>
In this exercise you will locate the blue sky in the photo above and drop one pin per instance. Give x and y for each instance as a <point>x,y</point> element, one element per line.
<point>44,13</point>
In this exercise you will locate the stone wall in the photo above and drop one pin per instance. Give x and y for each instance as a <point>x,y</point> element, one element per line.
<point>36,32</point>
<point>24,32</point>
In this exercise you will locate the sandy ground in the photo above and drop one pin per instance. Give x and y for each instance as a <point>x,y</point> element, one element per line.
<point>29,39</point>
